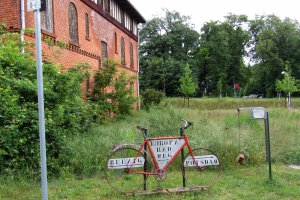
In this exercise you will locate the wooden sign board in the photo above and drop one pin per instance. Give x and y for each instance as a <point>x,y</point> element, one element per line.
<point>164,150</point>
<point>123,163</point>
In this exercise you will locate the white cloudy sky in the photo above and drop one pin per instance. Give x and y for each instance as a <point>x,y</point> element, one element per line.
<point>202,11</point>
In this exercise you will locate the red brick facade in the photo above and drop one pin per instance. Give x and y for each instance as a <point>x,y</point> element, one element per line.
<point>102,26</point>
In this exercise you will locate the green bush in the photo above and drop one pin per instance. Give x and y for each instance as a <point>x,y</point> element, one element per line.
<point>151,97</point>
<point>64,111</point>
<point>66,114</point>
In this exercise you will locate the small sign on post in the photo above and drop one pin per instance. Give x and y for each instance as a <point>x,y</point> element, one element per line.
<point>33,5</point>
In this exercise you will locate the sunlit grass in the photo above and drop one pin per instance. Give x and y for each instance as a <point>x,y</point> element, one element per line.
<point>220,130</point>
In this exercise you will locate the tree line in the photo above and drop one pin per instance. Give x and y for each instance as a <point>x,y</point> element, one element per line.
<point>250,54</point>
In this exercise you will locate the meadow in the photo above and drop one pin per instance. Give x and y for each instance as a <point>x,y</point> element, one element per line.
<point>216,126</point>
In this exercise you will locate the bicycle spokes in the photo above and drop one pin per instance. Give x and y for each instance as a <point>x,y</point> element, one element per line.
<point>202,171</point>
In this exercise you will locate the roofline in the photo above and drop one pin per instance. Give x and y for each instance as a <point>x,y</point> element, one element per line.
<point>132,10</point>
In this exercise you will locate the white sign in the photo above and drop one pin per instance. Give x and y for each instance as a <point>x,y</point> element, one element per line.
<point>202,161</point>
<point>123,163</point>
<point>257,113</point>
<point>164,150</point>
<point>33,5</point>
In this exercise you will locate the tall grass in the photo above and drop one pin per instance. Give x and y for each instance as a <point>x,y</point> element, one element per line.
<point>219,130</point>
<point>232,103</point>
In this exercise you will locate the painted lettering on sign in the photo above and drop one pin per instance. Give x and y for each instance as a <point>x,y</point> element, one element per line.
<point>123,163</point>
<point>202,161</point>
<point>164,150</point>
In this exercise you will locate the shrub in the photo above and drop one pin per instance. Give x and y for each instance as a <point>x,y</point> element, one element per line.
<point>151,97</point>
<point>65,112</point>
<point>66,115</point>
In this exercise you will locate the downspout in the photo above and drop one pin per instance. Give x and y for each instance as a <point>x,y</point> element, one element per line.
<point>138,70</point>
<point>22,25</point>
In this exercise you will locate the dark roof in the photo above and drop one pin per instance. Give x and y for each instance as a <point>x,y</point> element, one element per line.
<point>131,10</point>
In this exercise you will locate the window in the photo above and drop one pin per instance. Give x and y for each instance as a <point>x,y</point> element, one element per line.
<point>122,51</point>
<point>73,24</point>
<point>131,56</point>
<point>47,17</point>
<point>87,27</point>
<point>132,88</point>
<point>116,43</point>
<point>106,5</point>
<point>87,87</point>
<point>104,53</point>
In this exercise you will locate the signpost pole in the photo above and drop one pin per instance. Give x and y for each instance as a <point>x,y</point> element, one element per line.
<point>145,164</point>
<point>182,159</point>
<point>268,144</point>
<point>41,101</point>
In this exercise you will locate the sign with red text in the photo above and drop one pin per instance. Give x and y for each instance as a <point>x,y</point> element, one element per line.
<point>123,163</point>
<point>201,161</point>
<point>164,150</point>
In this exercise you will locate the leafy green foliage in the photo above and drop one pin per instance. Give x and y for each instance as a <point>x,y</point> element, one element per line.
<point>288,84</point>
<point>120,99</point>
<point>188,86</point>
<point>220,58</point>
<point>274,43</point>
<point>217,56</point>
<point>166,44</point>
<point>66,114</point>
<point>151,97</point>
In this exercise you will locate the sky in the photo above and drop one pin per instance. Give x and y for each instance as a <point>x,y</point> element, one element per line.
<point>204,11</point>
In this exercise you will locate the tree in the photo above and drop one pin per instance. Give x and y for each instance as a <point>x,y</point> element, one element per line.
<point>274,42</point>
<point>166,43</point>
<point>188,86</point>
<point>220,58</point>
<point>287,85</point>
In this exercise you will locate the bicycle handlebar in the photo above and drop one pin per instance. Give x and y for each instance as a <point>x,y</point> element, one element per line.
<point>186,124</point>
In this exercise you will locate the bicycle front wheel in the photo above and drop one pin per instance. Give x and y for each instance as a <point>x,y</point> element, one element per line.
<point>125,167</point>
<point>204,170</point>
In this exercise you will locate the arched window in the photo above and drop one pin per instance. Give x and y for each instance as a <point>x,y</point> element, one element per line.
<point>104,53</point>
<point>73,24</point>
<point>132,88</point>
<point>122,51</point>
<point>131,56</point>
<point>116,43</point>
<point>87,27</point>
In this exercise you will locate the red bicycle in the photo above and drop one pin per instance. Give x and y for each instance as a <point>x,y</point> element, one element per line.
<point>128,166</point>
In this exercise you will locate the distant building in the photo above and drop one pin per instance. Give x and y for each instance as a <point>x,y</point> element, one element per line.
<point>91,29</point>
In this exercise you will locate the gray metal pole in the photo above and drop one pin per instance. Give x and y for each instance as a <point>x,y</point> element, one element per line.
<point>22,24</point>
<point>289,100</point>
<point>41,104</point>
<point>138,70</point>
<point>268,145</point>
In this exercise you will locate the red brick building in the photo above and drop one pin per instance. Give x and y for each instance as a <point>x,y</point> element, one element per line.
<point>92,30</point>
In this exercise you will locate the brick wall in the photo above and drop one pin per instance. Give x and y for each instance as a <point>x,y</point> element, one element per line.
<point>89,50</point>
<point>9,13</point>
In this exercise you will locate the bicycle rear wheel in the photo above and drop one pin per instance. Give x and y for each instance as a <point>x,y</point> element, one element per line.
<point>204,171</point>
<point>122,165</point>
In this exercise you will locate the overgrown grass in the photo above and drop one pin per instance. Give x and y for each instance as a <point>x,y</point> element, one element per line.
<point>241,182</point>
<point>219,130</point>
<point>232,103</point>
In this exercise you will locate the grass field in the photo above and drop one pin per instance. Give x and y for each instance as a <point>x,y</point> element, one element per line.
<point>216,126</point>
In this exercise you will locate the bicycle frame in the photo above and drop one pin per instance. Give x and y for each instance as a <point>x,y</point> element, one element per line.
<point>160,167</point>
<point>154,156</point>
